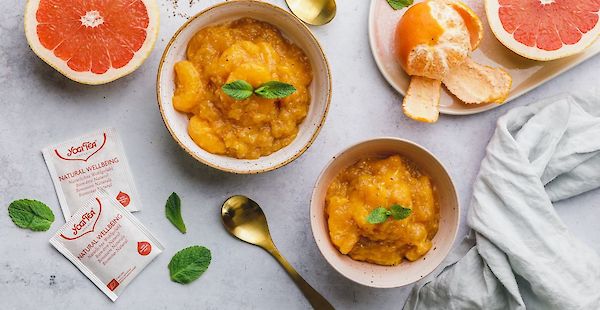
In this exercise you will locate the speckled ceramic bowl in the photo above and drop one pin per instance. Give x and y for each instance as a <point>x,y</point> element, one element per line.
<point>295,31</point>
<point>408,272</point>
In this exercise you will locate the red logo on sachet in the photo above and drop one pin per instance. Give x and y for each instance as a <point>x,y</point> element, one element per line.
<point>112,285</point>
<point>86,225</point>
<point>82,152</point>
<point>124,199</point>
<point>144,248</point>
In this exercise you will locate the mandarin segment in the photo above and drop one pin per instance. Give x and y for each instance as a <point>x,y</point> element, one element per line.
<point>188,87</point>
<point>202,133</point>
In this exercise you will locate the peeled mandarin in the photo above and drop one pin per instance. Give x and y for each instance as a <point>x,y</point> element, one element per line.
<point>431,37</point>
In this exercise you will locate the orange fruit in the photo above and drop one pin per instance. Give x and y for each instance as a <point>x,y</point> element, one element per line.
<point>544,29</point>
<point>430,38</point>
<point>433,41</point>
<point>92,41</point>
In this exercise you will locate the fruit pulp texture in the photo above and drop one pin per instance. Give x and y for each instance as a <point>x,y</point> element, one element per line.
<point>373,183</point>
<point>248,50</point>
<point>430,31</point>
<point>548,25</point>
<point>472,23</point>
<point>92,35</point>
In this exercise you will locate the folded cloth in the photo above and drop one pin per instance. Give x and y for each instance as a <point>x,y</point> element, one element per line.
<point>519,254</point>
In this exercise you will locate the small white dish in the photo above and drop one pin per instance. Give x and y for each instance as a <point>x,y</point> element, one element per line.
<point>291,28</point>
<point>527,74</point>
<point>407,272</point>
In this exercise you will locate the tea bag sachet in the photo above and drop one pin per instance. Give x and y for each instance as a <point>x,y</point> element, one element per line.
<point>107,243</point>
<point>80,166</point>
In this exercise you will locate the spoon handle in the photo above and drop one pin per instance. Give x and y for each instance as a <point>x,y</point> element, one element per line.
<point>316,300</point>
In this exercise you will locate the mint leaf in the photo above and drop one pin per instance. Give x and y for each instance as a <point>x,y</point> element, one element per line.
<point>31,214</point>
<point>399,4</point>
<point>275,90</point>
<point>189,264</point>
<point>378,216</point>
<point>238,90</point>
<point>399,212</point>
<point>173,212</point>
<point>381,214</point>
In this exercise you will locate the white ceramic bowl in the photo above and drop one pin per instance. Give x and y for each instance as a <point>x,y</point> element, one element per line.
<point>407,272</point>
<point>295,31</point>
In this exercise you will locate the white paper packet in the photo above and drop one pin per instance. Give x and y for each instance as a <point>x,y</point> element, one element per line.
<point>107,243</point>
<point>80,166</point>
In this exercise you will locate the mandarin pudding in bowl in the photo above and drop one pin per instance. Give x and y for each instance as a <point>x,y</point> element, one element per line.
<point>384,212</point>
<point>249,50</point>
<point>244,87</point>
<point>397,189</point>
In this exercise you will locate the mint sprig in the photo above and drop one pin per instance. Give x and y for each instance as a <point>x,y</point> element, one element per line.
<point>31,214</point>
<point>399,4</point>
<point>399,213</point>
<point>238,90</point>
<point>242,90</point>
<point>275,90</point>
<point>189,264</point>
<point>381,214</point>
<point>173,212</point>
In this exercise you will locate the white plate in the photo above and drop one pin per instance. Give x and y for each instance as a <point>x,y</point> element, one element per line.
<point>527,74</point>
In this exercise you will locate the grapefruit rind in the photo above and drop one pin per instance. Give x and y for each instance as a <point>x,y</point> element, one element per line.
<point>87,77</point>
<point>422,100</point>
<point>492,11</point>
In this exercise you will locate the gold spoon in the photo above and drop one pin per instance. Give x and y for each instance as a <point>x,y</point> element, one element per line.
<point>243,218</point>
<point>313,12</point>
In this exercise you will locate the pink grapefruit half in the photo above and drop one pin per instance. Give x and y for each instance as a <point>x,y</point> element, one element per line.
<point>92,41</point>
<point>544,29</point>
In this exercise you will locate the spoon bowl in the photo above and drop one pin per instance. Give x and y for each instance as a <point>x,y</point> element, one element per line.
<point>313,12</point>
<point>245,220</point>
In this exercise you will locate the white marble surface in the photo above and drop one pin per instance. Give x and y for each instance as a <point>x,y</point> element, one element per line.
<point>40,107</point>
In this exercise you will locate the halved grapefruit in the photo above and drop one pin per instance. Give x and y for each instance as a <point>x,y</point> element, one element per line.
<point>544,29</point>
<point>93,41</point>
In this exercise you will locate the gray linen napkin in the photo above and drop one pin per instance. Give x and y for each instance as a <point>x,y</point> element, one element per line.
<point>519,254</point>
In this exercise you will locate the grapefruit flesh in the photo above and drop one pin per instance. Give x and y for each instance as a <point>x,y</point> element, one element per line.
<point>544,29</point>
<point>92,42</point>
